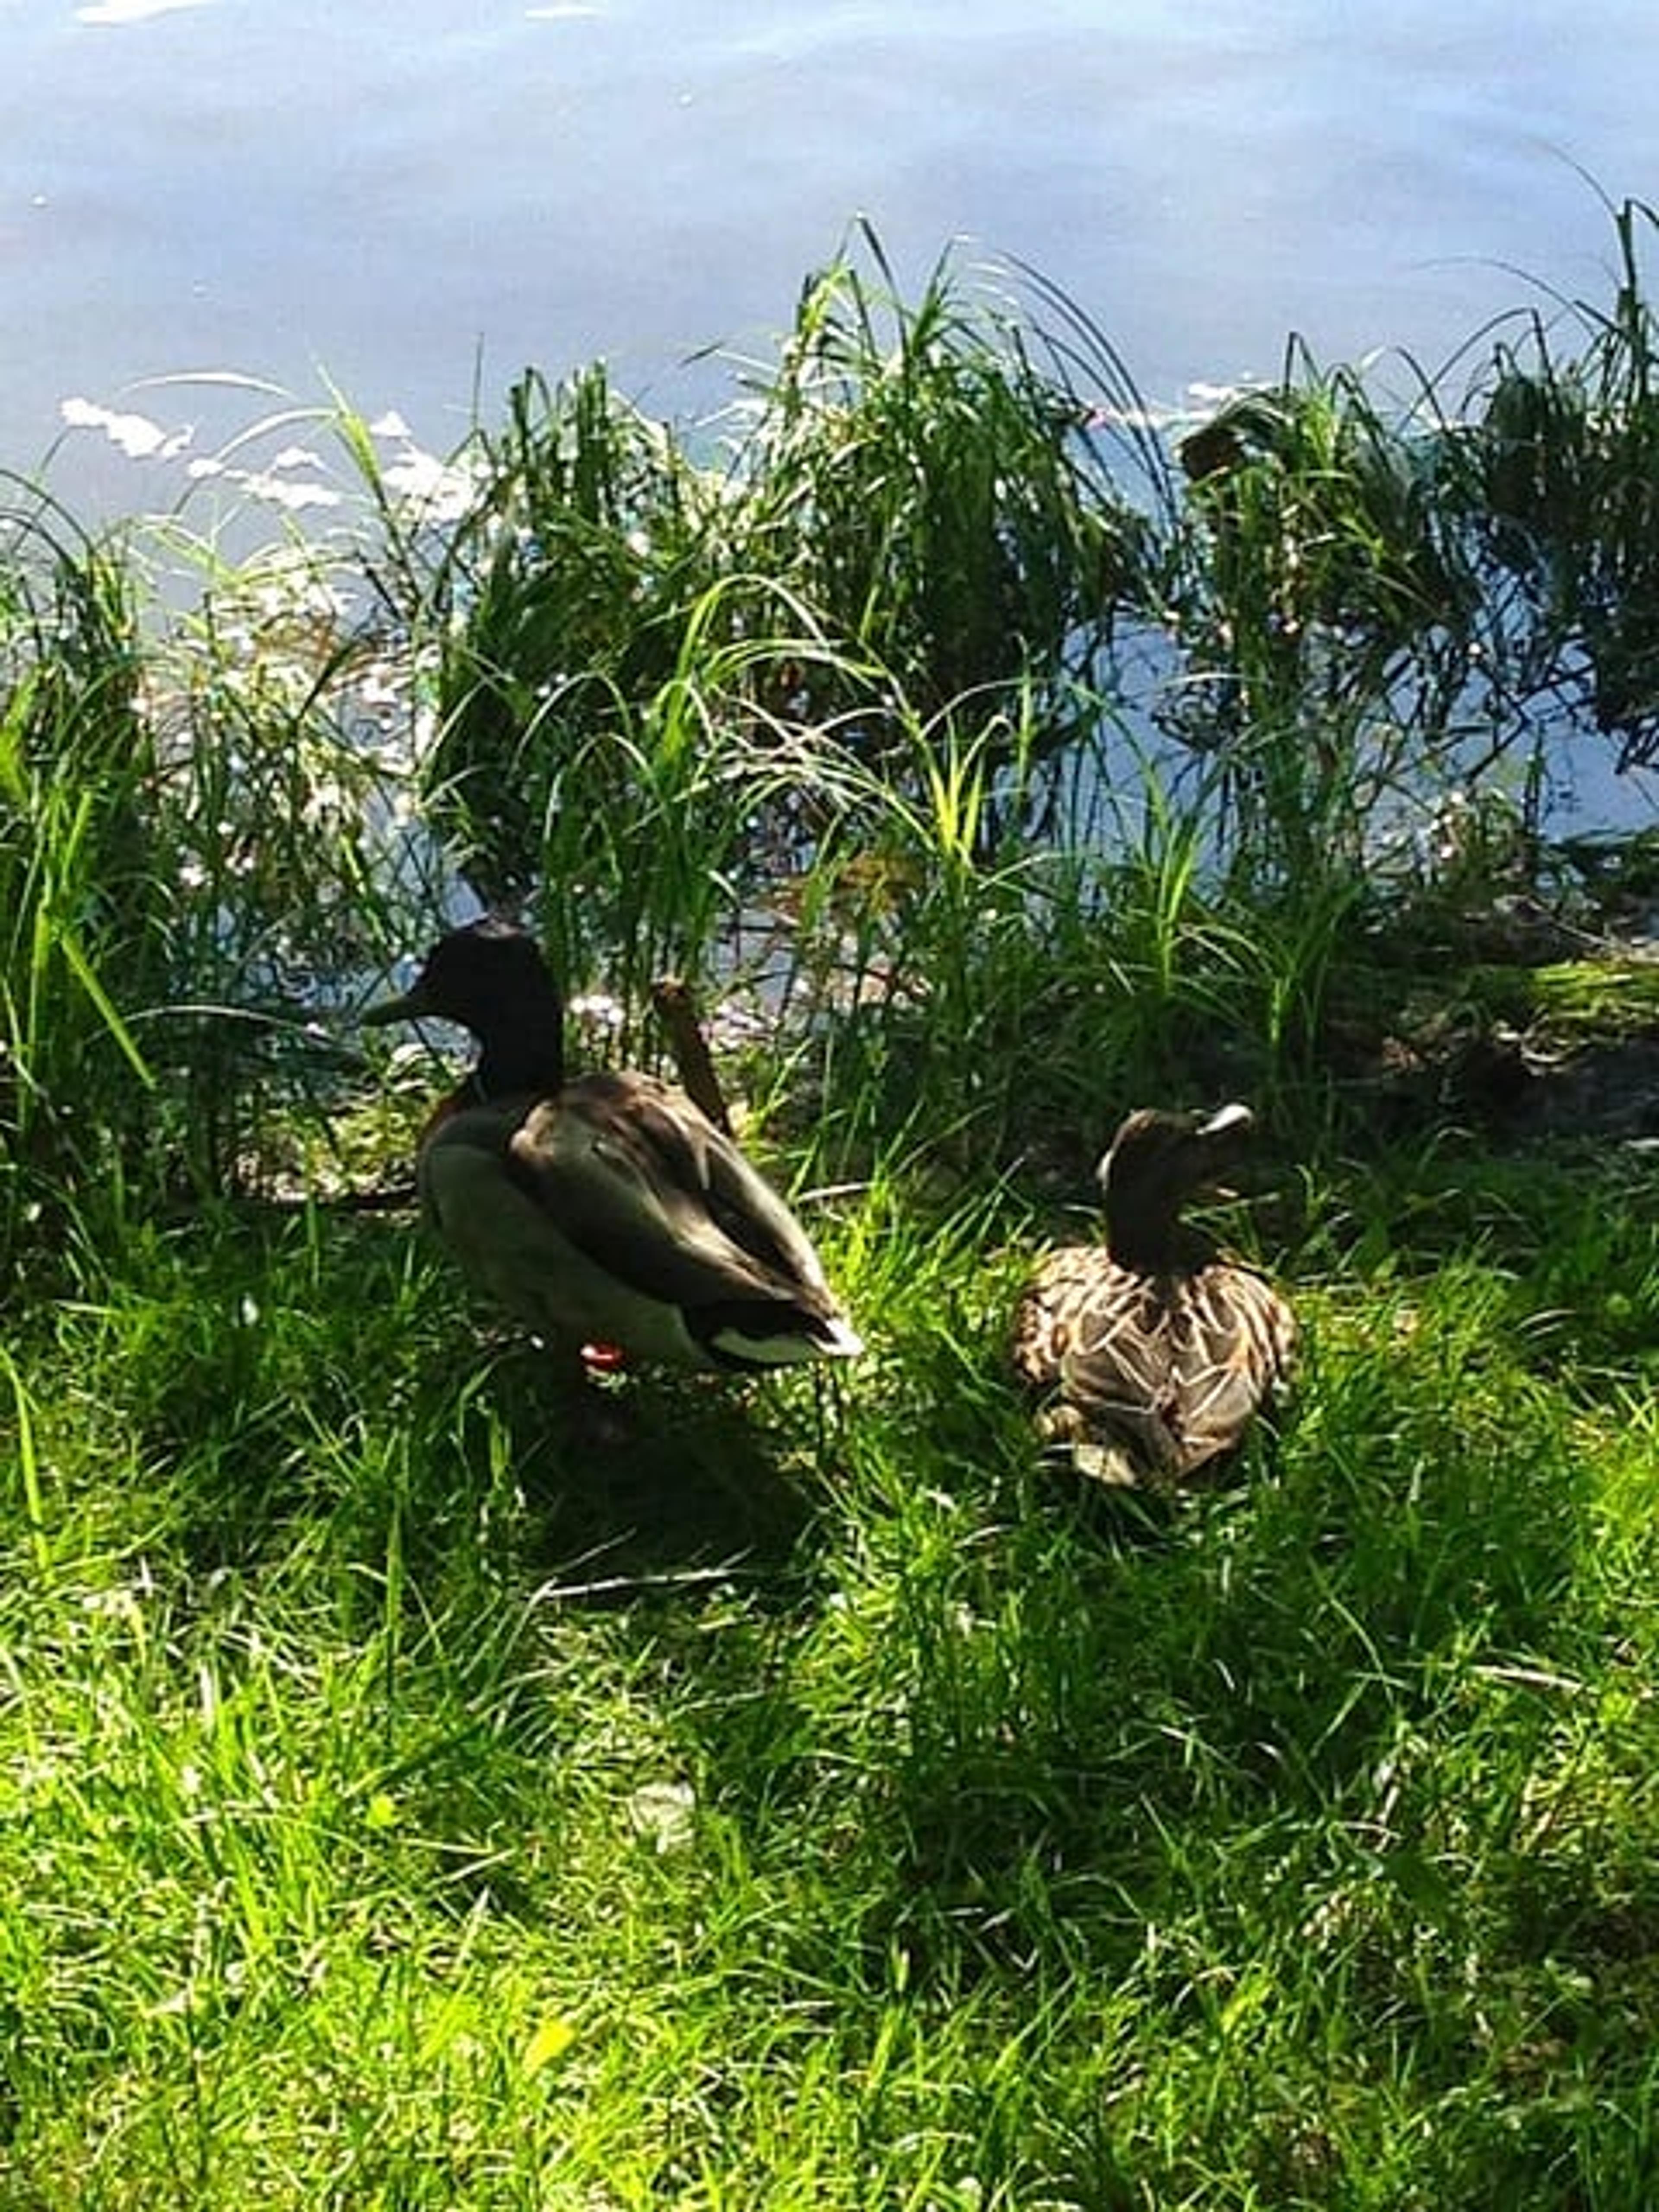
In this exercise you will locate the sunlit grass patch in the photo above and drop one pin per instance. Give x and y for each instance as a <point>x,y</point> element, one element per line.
<point>390,1818</point>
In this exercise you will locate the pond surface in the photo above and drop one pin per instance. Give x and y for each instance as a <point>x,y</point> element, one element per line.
<point>415,201</point>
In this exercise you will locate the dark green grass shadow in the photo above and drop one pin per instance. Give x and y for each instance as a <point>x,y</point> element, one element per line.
<point>317,1383</point>
<point>658,1481</point>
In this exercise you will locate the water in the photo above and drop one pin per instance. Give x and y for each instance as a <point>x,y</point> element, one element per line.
<point>414,202</point>
<point>418,200</point>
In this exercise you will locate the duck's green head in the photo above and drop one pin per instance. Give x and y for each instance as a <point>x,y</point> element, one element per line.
<point>489,976</point>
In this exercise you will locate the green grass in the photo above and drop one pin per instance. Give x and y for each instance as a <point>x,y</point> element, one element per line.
<point>824,1803</point>
<point>812,1799</point>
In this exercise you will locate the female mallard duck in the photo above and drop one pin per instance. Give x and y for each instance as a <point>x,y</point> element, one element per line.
<point>1156,1350</point>
<point>604,1209</point>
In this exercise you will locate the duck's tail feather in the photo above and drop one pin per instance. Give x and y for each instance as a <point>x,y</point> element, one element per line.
<point>757,1338</point>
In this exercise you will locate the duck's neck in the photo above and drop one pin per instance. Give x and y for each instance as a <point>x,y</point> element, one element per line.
<point>514,1062</point>
<point>1154,1240</point>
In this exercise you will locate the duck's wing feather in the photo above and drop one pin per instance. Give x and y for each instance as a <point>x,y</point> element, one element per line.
<point>1172,1366</point>
<point>637,1177</point>
<point>1235,1351</point>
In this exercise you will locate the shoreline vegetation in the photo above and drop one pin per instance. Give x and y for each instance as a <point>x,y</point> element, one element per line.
<point>814,1798</point>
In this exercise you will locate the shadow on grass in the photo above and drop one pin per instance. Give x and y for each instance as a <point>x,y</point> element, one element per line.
<point>313,1392</point>
<point>660,1482</point>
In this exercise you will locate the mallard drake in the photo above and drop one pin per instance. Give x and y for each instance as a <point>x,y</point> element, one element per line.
<point>604,1209</point>
<point>1154,1350</point>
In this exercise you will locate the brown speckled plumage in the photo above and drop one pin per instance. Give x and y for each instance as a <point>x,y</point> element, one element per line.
<point>1154,1351</point>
